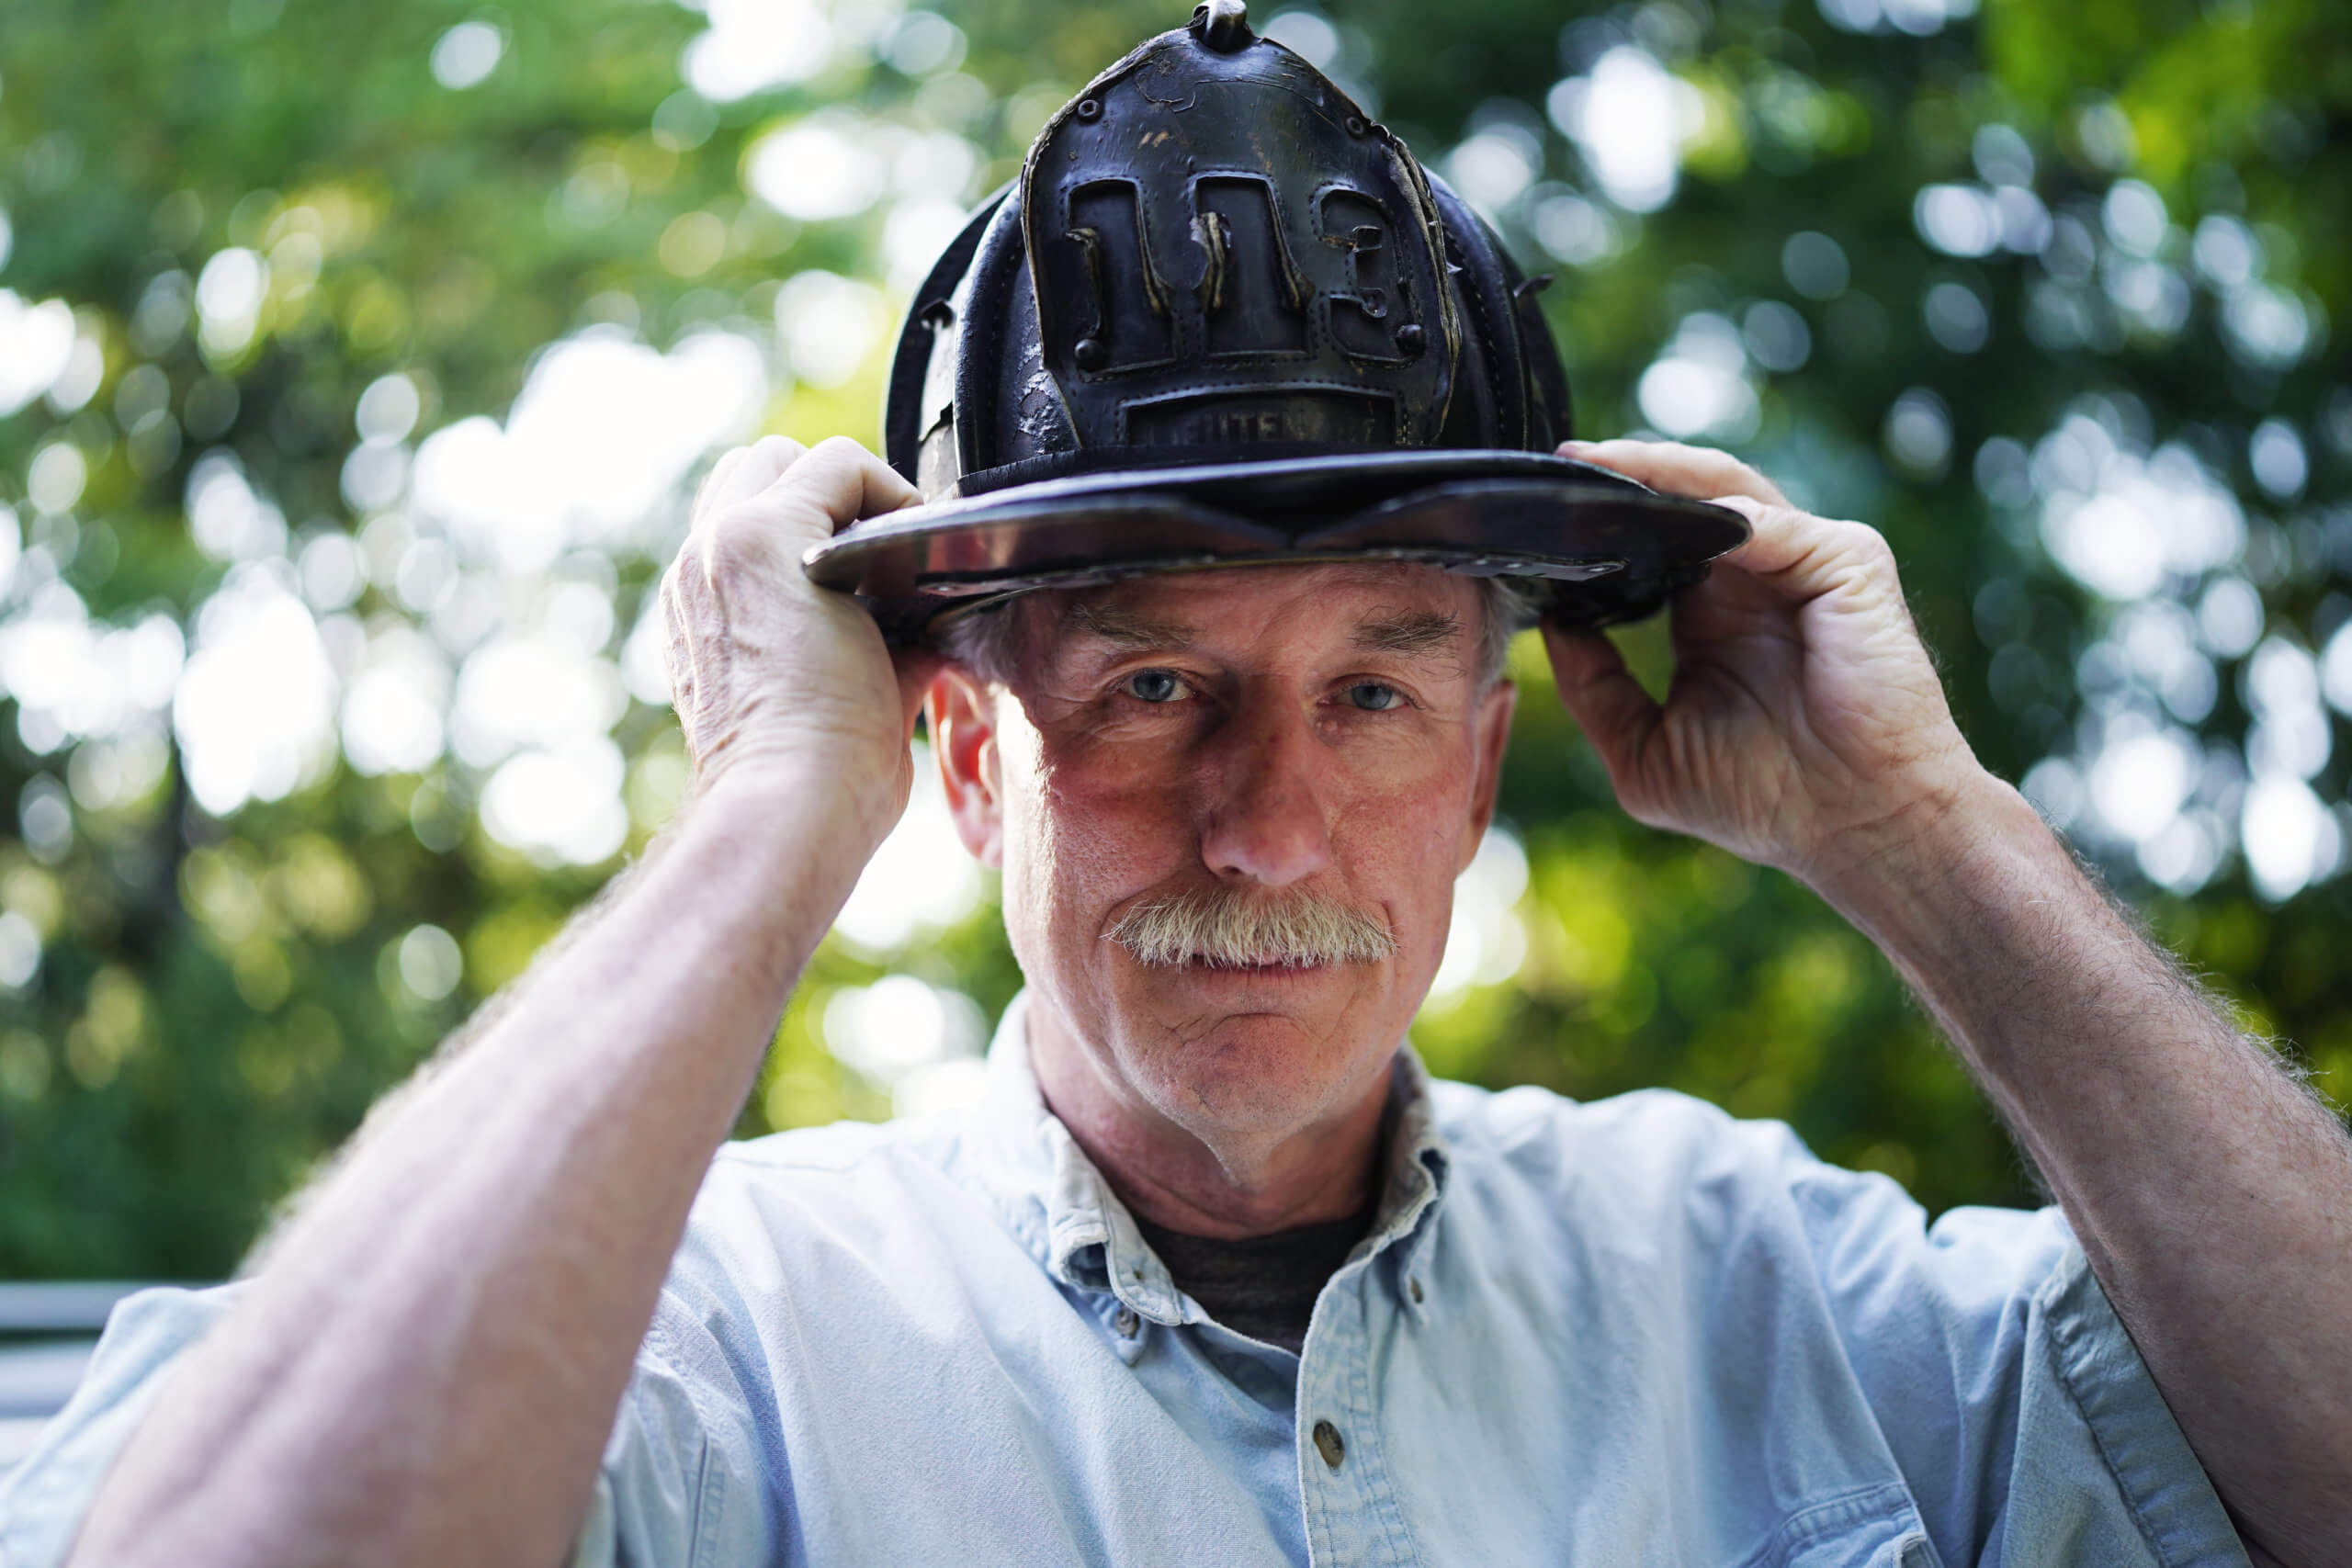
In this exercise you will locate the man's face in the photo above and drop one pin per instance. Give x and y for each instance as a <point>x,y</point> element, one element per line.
<point>1268,738</point>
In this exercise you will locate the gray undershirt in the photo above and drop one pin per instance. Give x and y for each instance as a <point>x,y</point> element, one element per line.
<point>1263,1286</point>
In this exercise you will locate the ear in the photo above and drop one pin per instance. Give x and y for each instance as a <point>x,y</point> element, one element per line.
<point>963,737</point>
<point>1492,728</point>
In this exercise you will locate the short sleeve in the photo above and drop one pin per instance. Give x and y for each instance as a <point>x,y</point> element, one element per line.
<point>680,1483</point>
<point>2098,1447</point>
<point>674,1489</point>
<point>2025,1423</point>
<point>45,1499</point>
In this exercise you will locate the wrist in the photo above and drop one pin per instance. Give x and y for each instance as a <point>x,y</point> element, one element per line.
<point>1968,906</point>
<point>1942,844</point>
<point>813,819</point>
<point>853,785</point>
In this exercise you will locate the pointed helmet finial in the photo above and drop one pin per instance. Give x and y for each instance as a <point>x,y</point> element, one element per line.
<point>1224,25</point>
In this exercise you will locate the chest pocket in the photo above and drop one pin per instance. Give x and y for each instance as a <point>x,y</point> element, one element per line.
<point>1877,1527</point>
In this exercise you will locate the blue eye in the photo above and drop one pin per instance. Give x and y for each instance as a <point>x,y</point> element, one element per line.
<point>1372,696</point>
<point>1153,686</point>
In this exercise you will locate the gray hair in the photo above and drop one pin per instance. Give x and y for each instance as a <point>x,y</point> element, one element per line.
<point>987,640</point>
<point>1225,928</point>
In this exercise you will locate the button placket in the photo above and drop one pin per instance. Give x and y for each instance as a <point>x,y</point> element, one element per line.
<point>1351,1513</point>
<point>1334,1498</point>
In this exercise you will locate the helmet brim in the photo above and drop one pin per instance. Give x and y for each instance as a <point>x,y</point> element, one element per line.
<point>1607,548</point>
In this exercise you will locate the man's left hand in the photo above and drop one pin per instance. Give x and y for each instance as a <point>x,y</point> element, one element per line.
<point>1805,727</point>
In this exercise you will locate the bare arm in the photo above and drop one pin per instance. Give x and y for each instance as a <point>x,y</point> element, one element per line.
<point>1806,729</point>
<point>2212,1194</point>
<point>426,1365</point>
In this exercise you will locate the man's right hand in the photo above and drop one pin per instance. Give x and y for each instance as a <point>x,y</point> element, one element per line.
<point>425,1366</point>
<point>774,678</point>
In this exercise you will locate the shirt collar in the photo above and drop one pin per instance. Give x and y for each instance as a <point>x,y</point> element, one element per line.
<point>1071,1221</point>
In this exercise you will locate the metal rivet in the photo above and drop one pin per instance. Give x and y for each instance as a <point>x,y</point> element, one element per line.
<point>1415,1284</point>
<point>1410,338</point>
<point>1090,356</point>
<point>1125,1321</point>
<point>1356,127</point>
<point>1328,1443</point>
<point>1090,109</point>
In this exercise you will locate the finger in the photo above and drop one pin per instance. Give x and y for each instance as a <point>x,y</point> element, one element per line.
<point>836,484</point>
<point>1672,468</point>
<point>743,471</point>
<point>759,465</point>
<point>728,461</point>
<point>1615,714</point>
<point>1800,555</point>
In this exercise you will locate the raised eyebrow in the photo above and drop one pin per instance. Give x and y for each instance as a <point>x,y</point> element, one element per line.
<point>1411,632</point>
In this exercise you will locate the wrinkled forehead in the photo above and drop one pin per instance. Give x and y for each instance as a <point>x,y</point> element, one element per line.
<point>1397,605</point>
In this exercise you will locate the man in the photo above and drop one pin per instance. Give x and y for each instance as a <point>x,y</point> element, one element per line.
<point>1215,1275</point>
<point>895,1344</point>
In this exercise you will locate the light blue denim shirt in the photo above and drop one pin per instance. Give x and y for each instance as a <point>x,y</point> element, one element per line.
<point>1633,1332</point>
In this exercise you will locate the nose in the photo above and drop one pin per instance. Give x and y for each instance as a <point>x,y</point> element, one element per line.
<point>1263,813</point>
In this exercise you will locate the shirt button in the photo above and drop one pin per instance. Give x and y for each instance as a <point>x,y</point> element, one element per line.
<point>1328,1443</point>
<point>1125,1321</point>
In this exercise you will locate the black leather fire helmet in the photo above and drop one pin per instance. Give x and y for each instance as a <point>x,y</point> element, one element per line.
<point>1225,319</point>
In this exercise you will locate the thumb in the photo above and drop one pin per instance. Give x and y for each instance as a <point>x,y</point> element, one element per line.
<point>914,668</point>
<point>1616,714</point>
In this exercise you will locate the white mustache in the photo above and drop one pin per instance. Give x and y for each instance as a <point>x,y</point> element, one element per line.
<point>1229,928</point>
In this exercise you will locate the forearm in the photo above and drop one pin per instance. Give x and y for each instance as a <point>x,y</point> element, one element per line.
<point>2212,1195</point>
<point>428,1365</point>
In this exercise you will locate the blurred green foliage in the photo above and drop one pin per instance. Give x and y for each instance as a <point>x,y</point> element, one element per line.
<point>210,1001</point>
